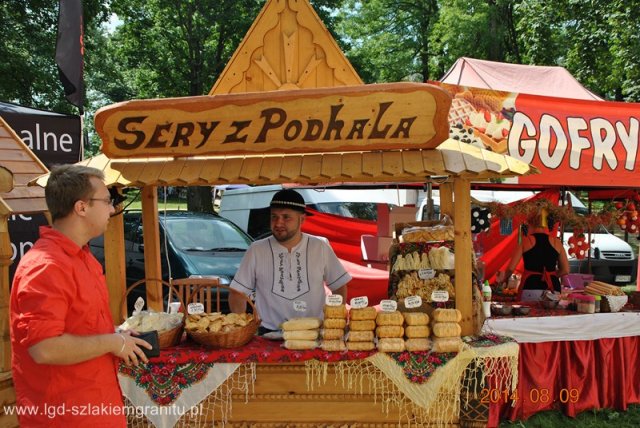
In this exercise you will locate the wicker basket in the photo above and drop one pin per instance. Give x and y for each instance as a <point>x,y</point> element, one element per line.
<point>166,338</point>
<point>232,339</point>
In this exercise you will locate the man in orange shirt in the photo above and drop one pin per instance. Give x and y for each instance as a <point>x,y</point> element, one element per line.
<point>64,345</point>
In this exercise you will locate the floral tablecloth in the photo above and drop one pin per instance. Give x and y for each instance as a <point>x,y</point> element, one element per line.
<point>182,376</point>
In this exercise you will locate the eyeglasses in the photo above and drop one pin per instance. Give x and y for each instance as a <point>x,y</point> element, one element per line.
<point>108,201</point>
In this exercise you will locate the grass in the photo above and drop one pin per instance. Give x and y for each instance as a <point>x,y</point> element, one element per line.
<point>589,419</point>
<point>172,203</point>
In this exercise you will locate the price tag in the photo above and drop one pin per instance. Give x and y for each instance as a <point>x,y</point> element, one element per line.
<point>388,305</point>
<point>333,300</point>
<point>138,305</point>
<point>412,302</point>
<point>359,302</point>
<point>439,296</point>
<point>299,306</point>
<point>195,308</point>
<point>426,273</point>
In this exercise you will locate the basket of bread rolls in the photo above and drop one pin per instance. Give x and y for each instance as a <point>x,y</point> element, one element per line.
<point>219,330</point>
<point>170,326</point>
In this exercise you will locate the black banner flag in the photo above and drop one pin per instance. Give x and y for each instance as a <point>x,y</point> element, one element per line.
<point>70,50</point>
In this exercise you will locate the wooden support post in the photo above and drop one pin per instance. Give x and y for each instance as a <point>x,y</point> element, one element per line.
<point>5,261</point>
<point>151,238</point>
<point>446,199</point>
<point>463,251</point>
<point>115,269</point>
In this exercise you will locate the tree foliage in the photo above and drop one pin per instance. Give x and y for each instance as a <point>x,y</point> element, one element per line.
<point>28,69</point>
<point>596,40</point>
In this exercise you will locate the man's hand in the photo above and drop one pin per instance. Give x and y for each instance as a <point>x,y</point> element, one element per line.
<point>129,348</point>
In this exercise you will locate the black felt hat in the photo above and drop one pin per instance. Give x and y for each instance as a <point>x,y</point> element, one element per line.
<point>288,198</point>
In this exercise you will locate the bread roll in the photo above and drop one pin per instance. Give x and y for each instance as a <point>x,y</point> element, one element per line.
<point>335,311</point>
<point>446,344</point>
<point>333,345</point>
<point>332,333</point>
<point>368,313</point>
<point>300,334</point>
<point>389,318</point>
<point>300,344</point>
<point>361,346</point>
<point>391,345</point>
<point>417,344</point>
<point>301,324</point>
<point>389,331</point>
<point>416,318</point>
<point>334,323</point>
<point>446,329</point>
<point>362,325</point>
<point>412,331</point>
<point>360,336</point>
<point>447,315</point>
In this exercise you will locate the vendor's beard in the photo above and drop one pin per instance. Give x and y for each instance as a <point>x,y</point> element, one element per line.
<point>284,236</point>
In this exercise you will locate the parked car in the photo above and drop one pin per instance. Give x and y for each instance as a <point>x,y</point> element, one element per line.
<point>196,245</point>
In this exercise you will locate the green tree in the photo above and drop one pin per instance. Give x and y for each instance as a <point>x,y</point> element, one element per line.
<point>29,32</point>
<point>484,29</point>
<point>388,40</point>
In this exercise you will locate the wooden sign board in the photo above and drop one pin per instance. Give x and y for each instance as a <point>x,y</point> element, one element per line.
<point>357,118</point>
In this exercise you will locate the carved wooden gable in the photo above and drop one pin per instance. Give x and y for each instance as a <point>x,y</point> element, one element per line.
<point>23,166</point>
<point>287,47</point>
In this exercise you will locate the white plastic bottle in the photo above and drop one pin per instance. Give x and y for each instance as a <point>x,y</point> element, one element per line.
<point>486,291</point>
<point>486,299</point>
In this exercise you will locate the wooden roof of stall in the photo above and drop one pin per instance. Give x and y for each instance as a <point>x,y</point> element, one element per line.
<point>101,162</point>
<point>450,158</point>
<point>22,166</point>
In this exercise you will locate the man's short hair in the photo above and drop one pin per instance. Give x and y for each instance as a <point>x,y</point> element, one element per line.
<point>68,184</point>
<point>288,198</point>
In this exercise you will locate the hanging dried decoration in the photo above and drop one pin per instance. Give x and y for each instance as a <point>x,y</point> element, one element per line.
<point>563,214</point>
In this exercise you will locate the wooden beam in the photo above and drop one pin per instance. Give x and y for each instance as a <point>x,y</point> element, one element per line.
<point>114,260</point>
<point>463,246</point>
<point>446,199</point>
<point>5,261</point>
<point>151,239</point>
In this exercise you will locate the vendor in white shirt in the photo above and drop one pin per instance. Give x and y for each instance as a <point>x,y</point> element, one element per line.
<point>286,273</point>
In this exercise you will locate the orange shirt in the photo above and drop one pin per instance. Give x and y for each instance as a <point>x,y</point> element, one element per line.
<point>60,288</point>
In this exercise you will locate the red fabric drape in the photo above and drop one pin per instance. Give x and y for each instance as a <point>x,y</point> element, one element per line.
<point>370,282</point>
<point>573,377</point>
<point>343,233</point>
<point>497,248</point>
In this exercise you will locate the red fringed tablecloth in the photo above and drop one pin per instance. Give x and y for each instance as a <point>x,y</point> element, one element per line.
<point>572,377</point>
